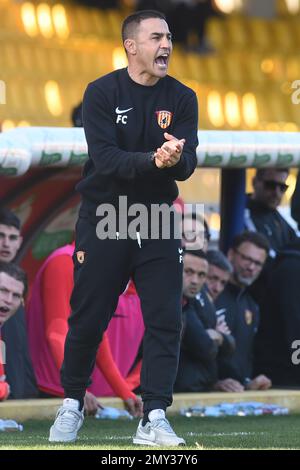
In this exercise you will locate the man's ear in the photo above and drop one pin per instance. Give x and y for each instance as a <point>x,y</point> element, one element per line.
<point>130,46</point>
<point>20,241</point>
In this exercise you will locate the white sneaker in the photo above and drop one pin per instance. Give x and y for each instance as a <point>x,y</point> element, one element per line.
<point>67,422</point>
<point>157,432</point>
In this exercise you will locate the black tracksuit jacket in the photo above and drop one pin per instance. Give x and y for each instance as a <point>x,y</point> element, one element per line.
<point>242,317</point>
<point>271,224</point>
<point>197,370</point>
<point>121,138</point>
<point>280,321</point>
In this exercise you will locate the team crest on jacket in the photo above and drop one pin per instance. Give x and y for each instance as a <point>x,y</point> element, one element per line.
<point>248,317</point>
<point>80,256</point>
<point>164,118</point>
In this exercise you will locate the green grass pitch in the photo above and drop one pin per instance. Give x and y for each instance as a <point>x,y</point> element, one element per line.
<point>263,432</point>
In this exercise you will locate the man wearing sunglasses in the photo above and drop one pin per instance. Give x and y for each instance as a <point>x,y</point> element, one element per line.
<point>261,214</point>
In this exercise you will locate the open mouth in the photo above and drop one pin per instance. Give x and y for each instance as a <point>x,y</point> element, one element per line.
<point>162,60</point>
<point>4,310</point>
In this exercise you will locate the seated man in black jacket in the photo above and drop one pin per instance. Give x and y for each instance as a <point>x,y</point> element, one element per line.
<point>18,368</point>
<point>261,214</point>
<point>202,339</point>
<point>247,255</point>
<point>278,335</point>
<point>219,271</point>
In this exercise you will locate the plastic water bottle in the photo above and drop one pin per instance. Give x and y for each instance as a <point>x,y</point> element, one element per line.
<point>112,413</point>
<point>10,425</point>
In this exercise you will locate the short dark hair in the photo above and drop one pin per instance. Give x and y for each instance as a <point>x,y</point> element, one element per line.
<point>261,171</point>
<point>255,238</point>
<point>199,253</point>
<point>218,259</point>
<point>132,21</point>
<point>16,272</point>
<point>7,217</point>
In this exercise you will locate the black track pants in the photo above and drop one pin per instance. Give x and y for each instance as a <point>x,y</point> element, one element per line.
<point>101,273</point>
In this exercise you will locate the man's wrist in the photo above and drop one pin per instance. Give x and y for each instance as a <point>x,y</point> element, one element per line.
<point>152,158</point>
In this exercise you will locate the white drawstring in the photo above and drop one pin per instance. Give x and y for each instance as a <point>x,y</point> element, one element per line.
<point>138,237</point>
<point>139,240</point>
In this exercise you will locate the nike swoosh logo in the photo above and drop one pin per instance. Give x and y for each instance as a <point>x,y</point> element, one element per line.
<point>122,111</point>
<point>149,433</point>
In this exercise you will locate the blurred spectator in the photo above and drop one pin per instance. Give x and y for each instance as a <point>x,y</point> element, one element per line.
<point>164,6</point>
<point>103,4</point>
<point>248,254</point>
<point>259,9</point>
<point>12,290</point>
<point>19,370</point>
<point>202,339</point>
<point>10,235</point>
<point>196,234</point>
<point>261,214</point>
<point>295,205</point>
<point>47,315</point>
<point>219,271</point>
<point>184,17</point>
<point>279,330</point>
